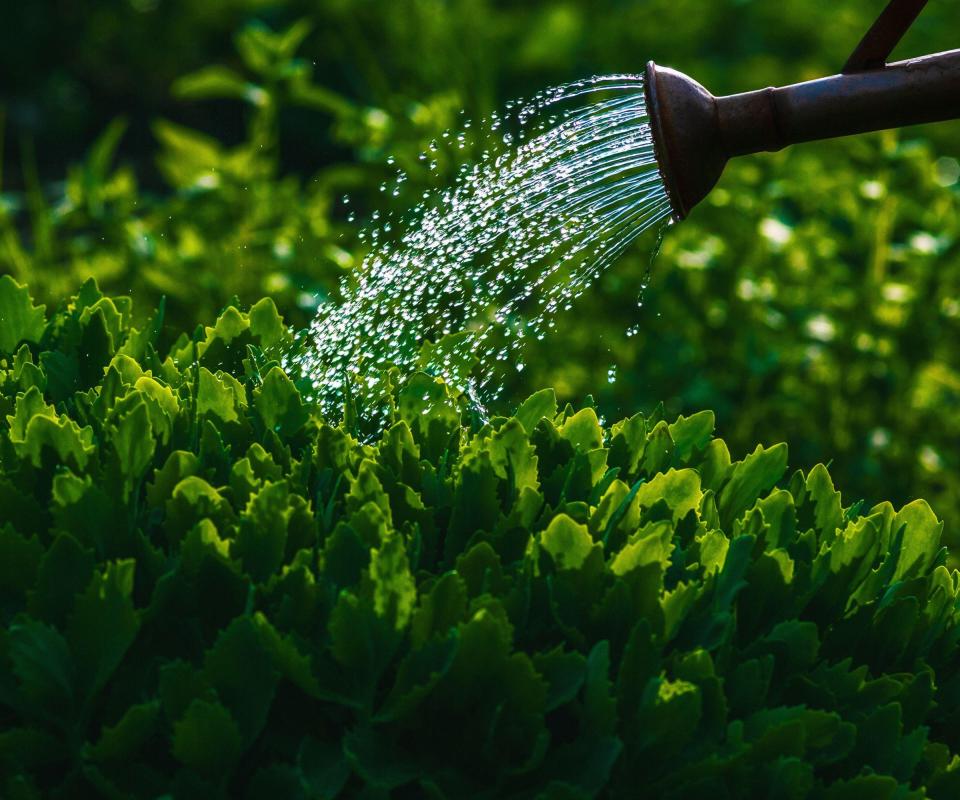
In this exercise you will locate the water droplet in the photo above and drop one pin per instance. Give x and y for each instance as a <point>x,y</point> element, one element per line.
<point>566,182</point>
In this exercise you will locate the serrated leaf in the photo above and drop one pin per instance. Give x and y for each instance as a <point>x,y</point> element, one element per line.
<point>133,440</point>
<point>753,476</point>
<point>378,760</point>
<point>125,739</point>
<point>217,395</point>
<point>542,405</point>
<point>279,404</point>
<point>565,673</point>
<point>361,641</point>
<point>266,324</point>
<point>20,320</point>
<point>692,433</point>
<point>36,427</point>
<point>207,739</point>
<point>568,543</point>
<point>262,537</point>
<point>680,489</point>
<point>652,545</point>
<point>921,539</point>
<point>43,664</point>
<point>103,625</point>
<point>394,590</point>
<point>418,673</point>
<point>64,571</point>
<point>440,610</point>
<point>324,766</point>
<point>583,431</point>
<point>240,669</point>
<point>19,564</point>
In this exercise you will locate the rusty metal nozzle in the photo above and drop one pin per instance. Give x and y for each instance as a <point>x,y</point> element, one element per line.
<point>695,133</point>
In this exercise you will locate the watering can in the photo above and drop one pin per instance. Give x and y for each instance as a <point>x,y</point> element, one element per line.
<point>695,133</point>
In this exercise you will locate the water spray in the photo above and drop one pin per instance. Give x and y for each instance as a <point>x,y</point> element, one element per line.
<point>695,133</point>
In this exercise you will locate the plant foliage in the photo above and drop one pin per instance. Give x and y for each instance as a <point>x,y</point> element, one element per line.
<point>208,591</point>
<point>812,298</point>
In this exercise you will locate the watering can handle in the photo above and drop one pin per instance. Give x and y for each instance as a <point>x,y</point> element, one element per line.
<point>884,35</point>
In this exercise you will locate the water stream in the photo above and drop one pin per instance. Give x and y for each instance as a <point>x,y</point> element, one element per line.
<point>457,285</point>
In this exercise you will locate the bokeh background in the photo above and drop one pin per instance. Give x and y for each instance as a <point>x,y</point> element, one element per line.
<point>199,151</point>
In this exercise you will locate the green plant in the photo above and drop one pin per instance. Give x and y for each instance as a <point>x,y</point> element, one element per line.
<point>812,299</point>
<point>207,590</point>
<point>230,225</point>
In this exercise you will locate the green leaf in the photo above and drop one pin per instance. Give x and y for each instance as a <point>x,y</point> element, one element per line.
<point>828,513</point>
<point>542,405</point>
<point>103,625</point>
<point>443,608</point>
<point>568,543</point>
<point>279,404</point>
<point>417,675</point>
<point>133,439</point>
<point>139,724</point>
<point>262,537</point>
<point>266,324</point>
<point>691,434</point>
<point>628,441</point>
<point>394,590</point>
<point>220,395</point>
<point>361,641</point>
<point>671,714</point>
<point>652,545</point>
<point>377,760</point>
<point>188,159</point>
<point>513,457</point>
<point>36,427</point>
<point>753,476</point>
<point>324,766</point>
<point>217,82</point>
<point>207,739</point>
<point>921,539</point>
<point>43,664</point>
<point>565,673</point>
<point>583,431</point>
<point>65,570</point>
<point>240,669</point>
<point>452,357</point>
<point>20,563</point>
<point>680,489</point>
<point>20,320</point>
<point>257,46</point>
<point>193,499</point>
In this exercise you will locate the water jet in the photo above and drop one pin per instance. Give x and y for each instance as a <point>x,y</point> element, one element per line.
<point>695,133</point>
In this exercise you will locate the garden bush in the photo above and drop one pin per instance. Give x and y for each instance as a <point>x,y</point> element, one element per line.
<point>207,590</point>
<point>813,298</point>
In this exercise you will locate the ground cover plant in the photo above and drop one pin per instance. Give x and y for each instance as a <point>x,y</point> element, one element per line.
<point>813,299</point>
<point>209,591</point>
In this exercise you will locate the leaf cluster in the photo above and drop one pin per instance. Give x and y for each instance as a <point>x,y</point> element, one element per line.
<point>206,590</point>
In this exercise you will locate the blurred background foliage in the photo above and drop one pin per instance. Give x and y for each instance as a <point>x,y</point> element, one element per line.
<point>200,151</point>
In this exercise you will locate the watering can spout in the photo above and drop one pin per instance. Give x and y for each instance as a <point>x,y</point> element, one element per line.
<point>695,133</point>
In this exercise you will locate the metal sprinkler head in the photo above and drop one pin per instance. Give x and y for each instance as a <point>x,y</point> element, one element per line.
<point>695,133</point>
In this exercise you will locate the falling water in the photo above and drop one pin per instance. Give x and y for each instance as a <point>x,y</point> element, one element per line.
<point>478,269</point>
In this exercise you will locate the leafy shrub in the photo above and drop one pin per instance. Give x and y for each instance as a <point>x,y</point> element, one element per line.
<point>813,298</point>
<point>206,590</point>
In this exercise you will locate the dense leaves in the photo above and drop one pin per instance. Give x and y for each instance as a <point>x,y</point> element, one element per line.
<point>208,591</point>
<point>812,299</point>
